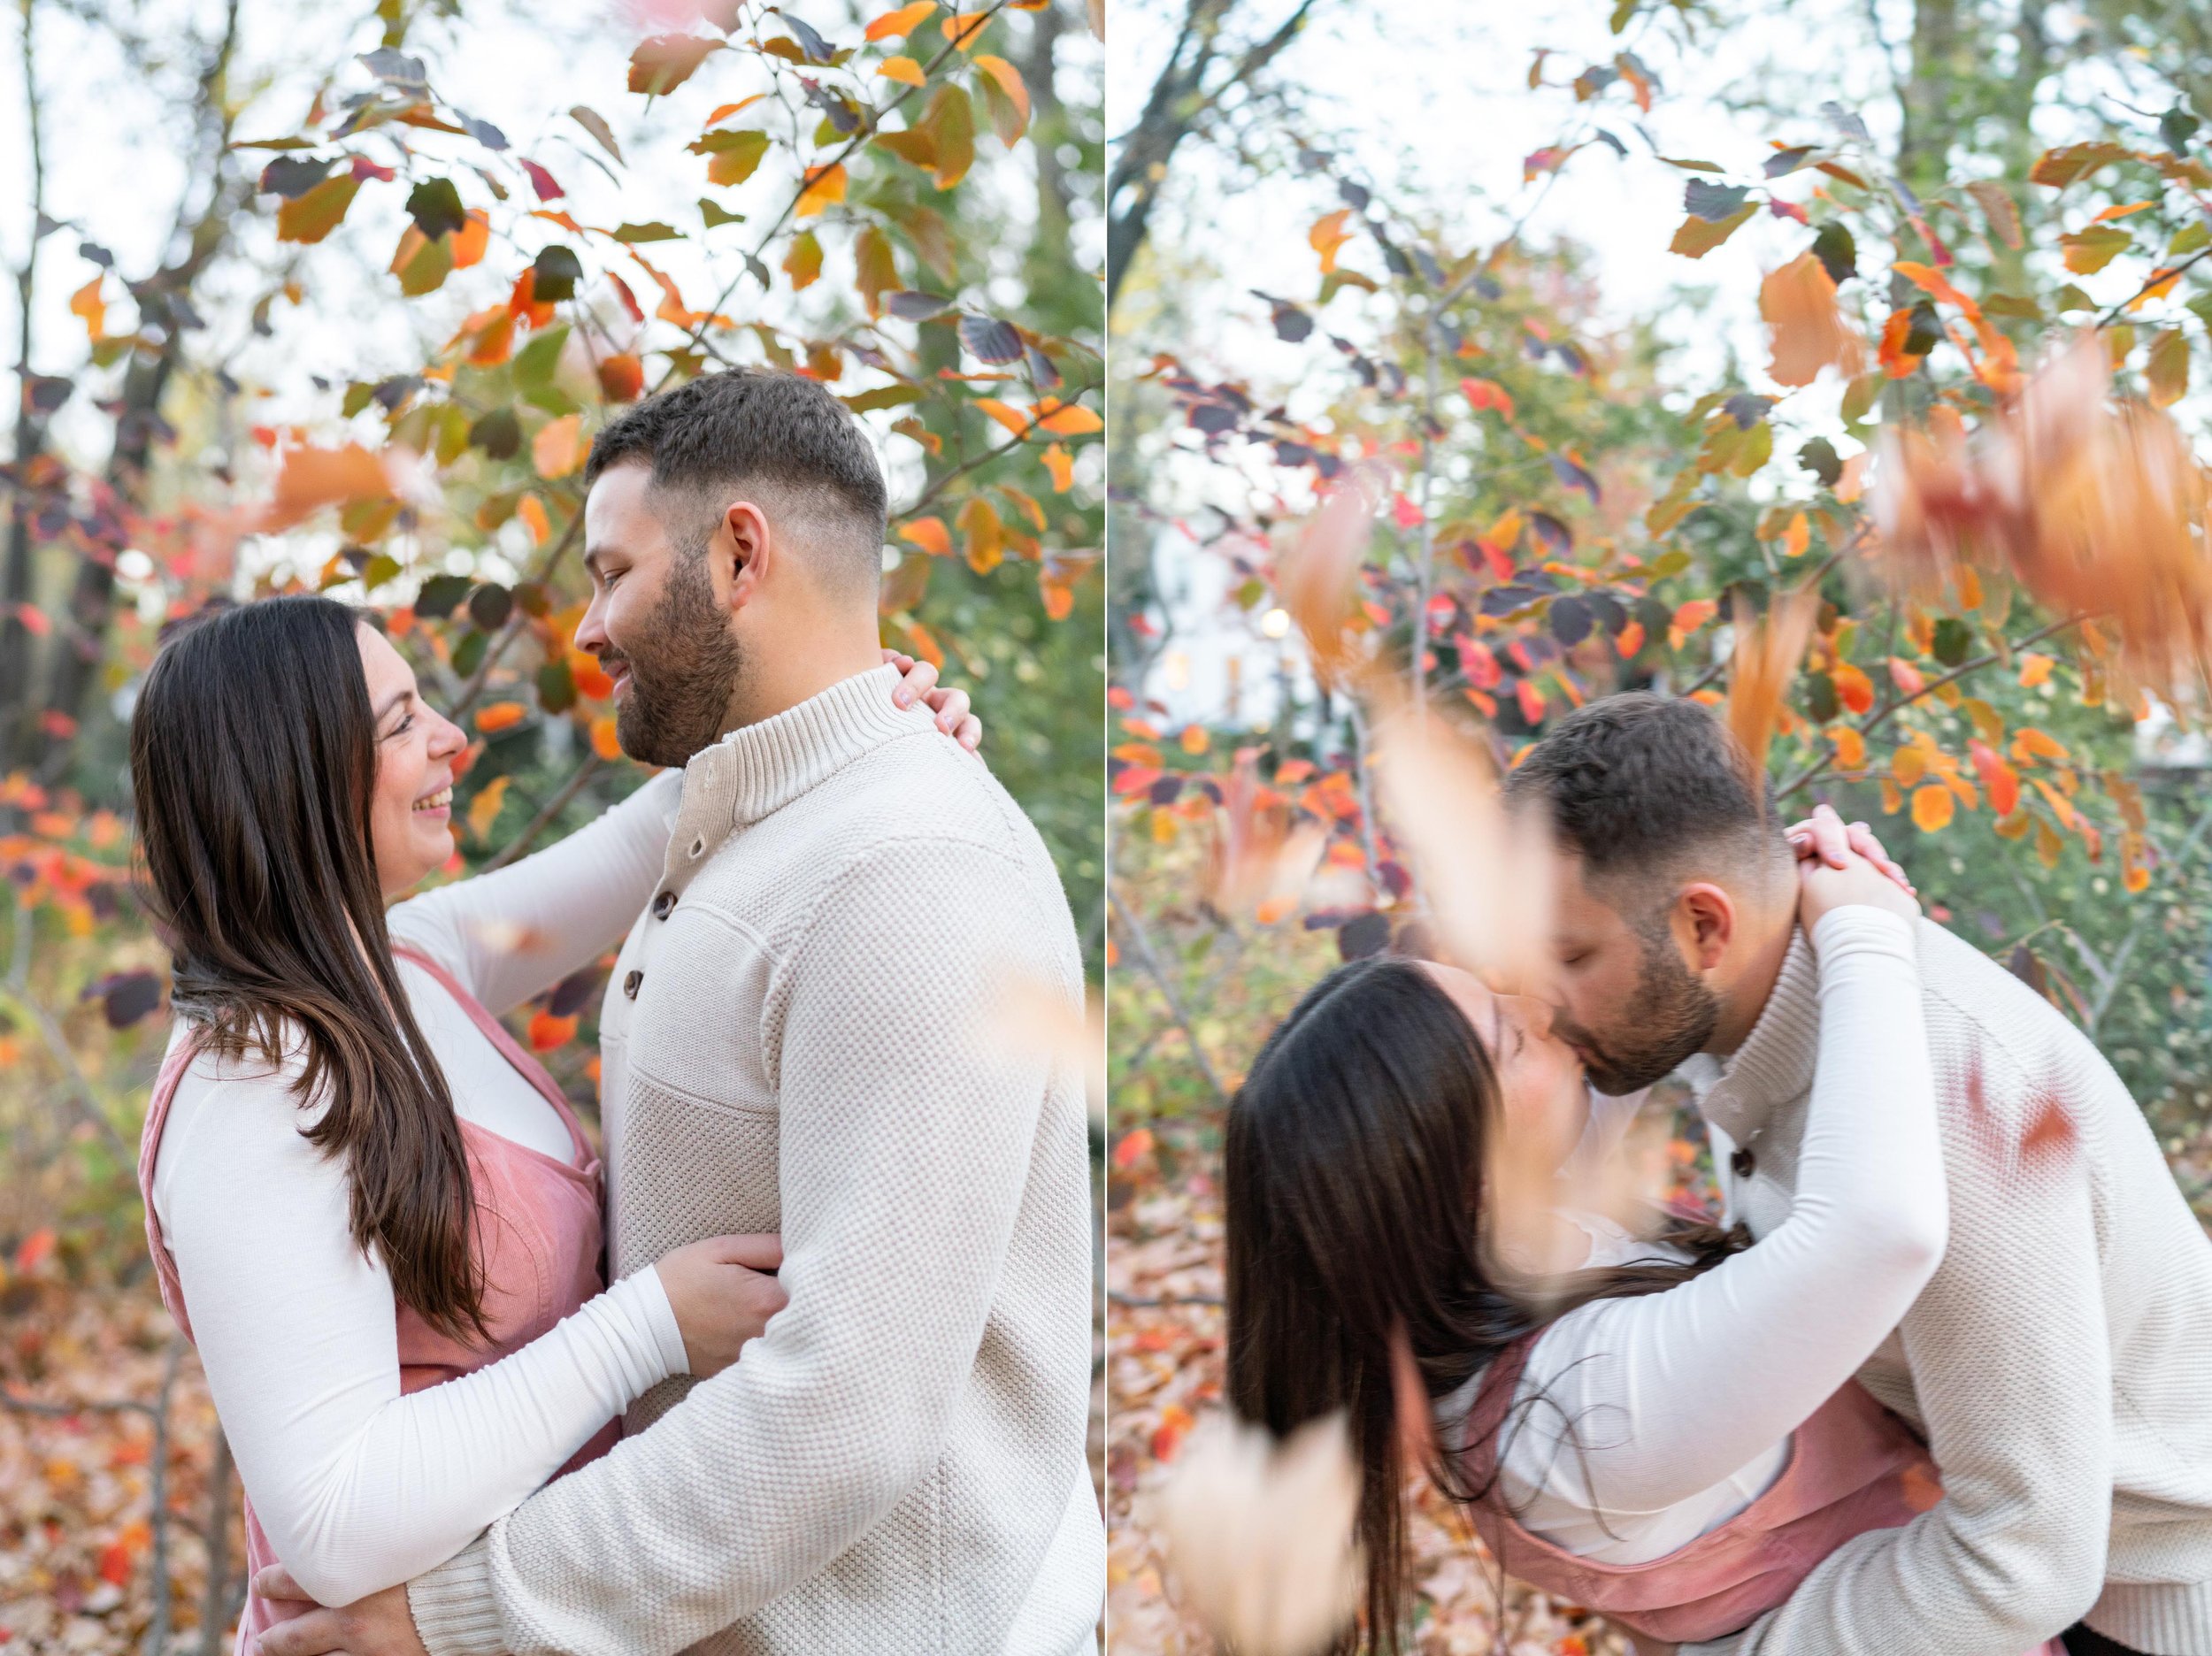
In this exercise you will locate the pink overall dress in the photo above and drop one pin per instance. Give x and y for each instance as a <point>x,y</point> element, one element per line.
<point>537,1239</point>
<point>1852,1466</point>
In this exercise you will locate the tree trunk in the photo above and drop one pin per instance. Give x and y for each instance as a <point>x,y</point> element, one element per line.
<point>16,584</point>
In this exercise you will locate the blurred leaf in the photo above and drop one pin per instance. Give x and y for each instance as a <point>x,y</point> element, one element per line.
<point>664,62</point>
<point>596,124</point>
<point>1697,236</point>
<point>311,217</point>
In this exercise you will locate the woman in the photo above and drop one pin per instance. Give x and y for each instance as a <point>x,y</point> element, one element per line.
<point>370,1209</point>
<point>1667,1434</point>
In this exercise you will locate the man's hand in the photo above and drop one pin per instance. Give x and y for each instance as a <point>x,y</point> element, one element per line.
<point>379,1625</point>
<point>1822,836</point>
<point>950,705</point>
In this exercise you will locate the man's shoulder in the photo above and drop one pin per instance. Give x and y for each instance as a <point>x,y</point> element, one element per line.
<point>1982,1019</point>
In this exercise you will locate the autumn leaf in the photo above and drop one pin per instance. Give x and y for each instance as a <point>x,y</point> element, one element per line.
<point>87,303</point>
<point>548,1032</point>
<point>1931,808</point>
<point>1854,688</point>
<point>2034,669</point>
<point>1697,236</point>
<point>1328,236</point>
<point>664,62</point>
<point>1808,332</point>
<point>803,262</point>
<point>308,479</point>
<point>903,21</point>
<point>824,185</point>
<point>2167,372</point>
<point>484,809</point>
<point>498,716</point>
<point>1062,465</point>
<point>1317,578</point>
<point>1066,419</point>
<point>605,739</point>
<point>560,445</point>
<point>982,535</point>
<point>311,217</point>
<point>1768,649</point>
<point>904,70</point>
<point>930,534</point>
<point>621,379</point>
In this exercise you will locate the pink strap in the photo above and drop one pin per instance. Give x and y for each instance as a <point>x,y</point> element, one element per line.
<point>526,1063</point>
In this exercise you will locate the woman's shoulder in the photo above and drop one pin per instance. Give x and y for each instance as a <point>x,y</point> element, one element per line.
<point>229,1096</point>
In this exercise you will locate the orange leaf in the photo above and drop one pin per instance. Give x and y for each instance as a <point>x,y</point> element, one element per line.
<point>622,378</point>
<point>590,677</point>
<point>1854,688</point>
<point>1329,235</point>
<point>1062,465</point>
<point>904,70</point>
<point>484,809</point>
<point>1896,361</point>
<point>1768,649</point>
<point>548,1032</point>
<point>1798,303</point>
<point>1167,1437</point>
<point>824,185</point>
<point>471,239</point>
<point>1012,418</point>
<point>1797,537</point>
<point>903,21</point>
<point>1009,79</point>
<point>560,445</point>
<point>983,535</point>
<point>2030,743</point>
<point>1931,808</point>
<point>87,303</point>
<point>1631,640</point>
<point>1906,676</point>
<point>604,740</point>
<point>2002,781</point>
<point>314,478</point>
<point>1850,749</point>
<point>1067,419</point>
<point>531,510</point>
<point>930,534</point>
<point>499,715</point>
<point>1132,1148</point>
<point>1935,285</point>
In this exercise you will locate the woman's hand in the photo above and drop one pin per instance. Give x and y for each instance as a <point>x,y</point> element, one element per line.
<point>1822,836</point>
<point>950,706</point>
<point>1823,887</point>
<point>723,1294</point>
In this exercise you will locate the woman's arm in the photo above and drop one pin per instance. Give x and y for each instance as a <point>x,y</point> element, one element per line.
<point>356,1486</point>
<point>515,933</point>
<point>1670,1393</point>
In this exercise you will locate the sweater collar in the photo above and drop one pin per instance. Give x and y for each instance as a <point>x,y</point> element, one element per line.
<point>758,768</point>
<point>1775,1063</point>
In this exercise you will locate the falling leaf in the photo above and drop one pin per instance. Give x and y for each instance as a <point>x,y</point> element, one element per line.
<point>1260,1534</point>
<point>1798,303</point>
<point>1768,649</point>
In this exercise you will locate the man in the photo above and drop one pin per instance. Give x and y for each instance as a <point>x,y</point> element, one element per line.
<point>2061,1359</point>
<point>803,1034</point>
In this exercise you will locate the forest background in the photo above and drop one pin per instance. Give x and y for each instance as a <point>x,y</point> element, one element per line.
<point>1607,306</point>
<point>334,299</point>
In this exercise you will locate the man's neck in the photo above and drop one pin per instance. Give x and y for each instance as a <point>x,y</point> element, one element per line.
<point>1743,1001</point>
<point>769,686</point>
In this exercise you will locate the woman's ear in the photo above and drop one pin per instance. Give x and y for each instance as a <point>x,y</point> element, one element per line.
<point>1705,921</point>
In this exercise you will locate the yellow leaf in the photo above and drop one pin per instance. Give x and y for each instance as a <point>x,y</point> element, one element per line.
<point>930,534</point>
<point>904,70</point>
<point>1893,798</point>
<point>2049,846</point>
<point>560,445</point>
<point>1908,765</point>
<point>1012,418</point>
<point>1062,465</point>
<point>824,185</point>
<point>1328,235</point>
<point>484,809</point>
<point>964,28</point>
<point>1067,419</point>
<point>87,303</point>
<point>1931,808</point>
<point>905,20</point>
<point>803,262</point>
<point>980,528</point>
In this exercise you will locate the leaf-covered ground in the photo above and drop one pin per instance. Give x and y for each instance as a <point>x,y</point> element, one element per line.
<point>1164,1371</point>
<point>81,1567</point>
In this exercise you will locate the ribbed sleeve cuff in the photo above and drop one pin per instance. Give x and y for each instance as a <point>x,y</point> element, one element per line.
<point>454,1612</point>
<point>1863,926</point>
<point>2155,1619</point>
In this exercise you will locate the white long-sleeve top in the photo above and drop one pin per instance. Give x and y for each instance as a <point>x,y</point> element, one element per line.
<point>358,1487</point>
<point>1642,1423</point>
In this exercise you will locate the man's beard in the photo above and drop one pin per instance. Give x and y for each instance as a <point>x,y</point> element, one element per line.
<point>684,668</point>
<point>1671,1015</point>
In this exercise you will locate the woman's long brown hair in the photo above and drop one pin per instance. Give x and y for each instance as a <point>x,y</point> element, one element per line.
<point>1353,1194</point>
<point>253,768</point>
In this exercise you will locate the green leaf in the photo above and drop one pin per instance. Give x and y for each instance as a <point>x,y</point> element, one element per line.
<point>2167,372</point>
<point>1820,697</point>
<point>1688,165</point>
<point>378,570</point>
<point>1756,449</point>
<point>557,687</point>
<point>714,215</point>
<point>2071,298</point>
<point>655,231</point>
<point>593,122</point>
<point>534,363</point>
<point>1858,397</point>
<point>732,157</point>
<point>2190,237</point>
<point>1953,639</point>
<point>311,217</point>
<point>1669,564</point>
<point>468,654</point>
<point>427,269</point>
<point>2202,306</point>
<point>883,397</point>
<point>2023,306</point>
<point>1838,251</point>
<point>1819,457</point>
<point>436,207</point>
<point>356,398</point>
<point>498,433</point>
<point>1697,236</point>
<point>554,273</point>
<point>2089,251</point>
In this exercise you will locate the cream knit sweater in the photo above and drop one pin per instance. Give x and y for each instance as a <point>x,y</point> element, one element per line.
<point>2059,1360</point>
<point>808,1031</point>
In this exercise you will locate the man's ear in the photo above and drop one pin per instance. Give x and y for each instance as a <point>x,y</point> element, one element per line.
<point>1704,923</point>
<point>745,549</point>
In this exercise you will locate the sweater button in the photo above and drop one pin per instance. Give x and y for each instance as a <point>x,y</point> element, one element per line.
<point>630,984</point>
<point>1740,1163</point>
<point>662,903</point>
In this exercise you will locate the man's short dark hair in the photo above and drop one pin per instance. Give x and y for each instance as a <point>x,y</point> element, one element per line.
<point>1638,785</point>
<point>781,435</point>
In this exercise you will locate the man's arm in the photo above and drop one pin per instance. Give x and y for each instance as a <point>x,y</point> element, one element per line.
<point>2011,1364</point>
<point>906,1134</point>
